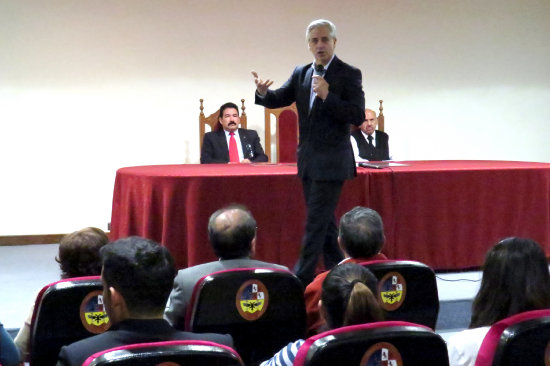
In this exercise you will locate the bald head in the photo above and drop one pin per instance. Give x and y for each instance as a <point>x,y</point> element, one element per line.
<point>231,231</point>
<point>370,123</point>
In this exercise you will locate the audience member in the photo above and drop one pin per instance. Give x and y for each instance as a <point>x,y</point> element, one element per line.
<point>367,142</point>
<point>78,255</point>
<point>137,277</point>
<point>232,234</point>
<point>231,144</point>
<point>515,279</point>
<point>361,237</point>
<point>9,355</point>
<point>349,297</point>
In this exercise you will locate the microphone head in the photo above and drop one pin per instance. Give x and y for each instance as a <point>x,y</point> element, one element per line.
<point>319,69</point>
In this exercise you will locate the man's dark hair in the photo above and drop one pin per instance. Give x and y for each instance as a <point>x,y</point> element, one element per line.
<point>361,232</point>
<point>231,235</point>
<point>141,270</point>
<point>227,105</point>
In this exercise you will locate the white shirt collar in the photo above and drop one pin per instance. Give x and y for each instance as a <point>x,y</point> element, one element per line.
<point>236,133</point>
<point>367,135</point>
<point>327,65</point>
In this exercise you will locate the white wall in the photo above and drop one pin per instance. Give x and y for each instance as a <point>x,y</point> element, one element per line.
<point>88,86</point>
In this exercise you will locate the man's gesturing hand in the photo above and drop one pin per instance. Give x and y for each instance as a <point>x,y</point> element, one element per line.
<point>261,85</point>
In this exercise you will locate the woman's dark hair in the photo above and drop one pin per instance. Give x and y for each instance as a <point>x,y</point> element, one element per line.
<point>79,253</point>
<point>349,296</point>
<point>515,279</point>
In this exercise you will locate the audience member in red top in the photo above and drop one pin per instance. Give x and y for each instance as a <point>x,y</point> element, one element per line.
<point>361,237</point>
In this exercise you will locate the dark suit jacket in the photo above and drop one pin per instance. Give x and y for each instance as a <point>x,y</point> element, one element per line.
<point>215,149</point>
<point>324,150</point>
<point>187,278</point>
<point>131,331</point>
<point>382,149</point>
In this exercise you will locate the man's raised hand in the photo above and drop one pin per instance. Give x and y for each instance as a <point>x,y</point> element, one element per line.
<point>261,85</point>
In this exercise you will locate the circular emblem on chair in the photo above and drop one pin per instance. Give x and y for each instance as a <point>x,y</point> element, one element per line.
<point>252,299</point>
<point>392,290</point>
<point>383,354</point>
<point>92,313</point>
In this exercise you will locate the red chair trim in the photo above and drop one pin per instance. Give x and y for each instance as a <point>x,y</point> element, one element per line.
<point>157,344</point>
<point>190,311</point>
<point>43,290</point>
<point>489,345</point>
<point>399,261</point>
<point>303,350</point>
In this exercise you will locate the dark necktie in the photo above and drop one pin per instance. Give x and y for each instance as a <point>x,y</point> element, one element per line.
<point>371,147</point>
<point>233,151</point>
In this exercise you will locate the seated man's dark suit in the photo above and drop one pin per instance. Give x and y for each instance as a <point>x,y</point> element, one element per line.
<point>187,278</point>
<point>132,331</point>
<point>215,149</point>
<point>380,152</point>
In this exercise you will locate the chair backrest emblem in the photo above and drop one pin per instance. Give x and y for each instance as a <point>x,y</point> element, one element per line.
<point>382,353</point>
<point>92,313</point>
<point>392,289</point>
<point>252,300</point>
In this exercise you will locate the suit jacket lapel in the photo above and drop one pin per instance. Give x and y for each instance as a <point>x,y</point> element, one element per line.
<point>223,143</point>
<point>307,86</point>
<point>332,69</point>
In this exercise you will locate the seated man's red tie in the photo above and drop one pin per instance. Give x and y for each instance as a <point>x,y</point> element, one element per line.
<point>233,151</point>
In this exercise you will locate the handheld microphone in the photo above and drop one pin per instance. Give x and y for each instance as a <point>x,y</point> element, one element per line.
<point>319,70</point>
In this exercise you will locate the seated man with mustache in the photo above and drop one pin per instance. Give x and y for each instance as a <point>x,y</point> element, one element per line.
<point>231,144</point>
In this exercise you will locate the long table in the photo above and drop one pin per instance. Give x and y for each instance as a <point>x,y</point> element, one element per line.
<point>442,213</point>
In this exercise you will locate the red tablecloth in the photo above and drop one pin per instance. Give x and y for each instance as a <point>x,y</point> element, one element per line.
<point>443,213</point>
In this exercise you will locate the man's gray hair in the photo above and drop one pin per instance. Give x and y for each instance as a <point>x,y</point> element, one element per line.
<point>321,23</point>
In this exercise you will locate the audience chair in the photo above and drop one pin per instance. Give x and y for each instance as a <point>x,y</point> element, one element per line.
<point>263,309</point>
<point>188,353</point>
<point>212,120</point>
<point>286,132</point>
<point>521,339</point>
<point>407,291</point>
<point>383,343</point>
<point>65,312</point>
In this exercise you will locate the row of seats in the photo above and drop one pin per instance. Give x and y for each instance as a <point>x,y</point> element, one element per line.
<point>264,310</point>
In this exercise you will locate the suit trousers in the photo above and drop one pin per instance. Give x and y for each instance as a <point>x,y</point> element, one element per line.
<point>321,233</point>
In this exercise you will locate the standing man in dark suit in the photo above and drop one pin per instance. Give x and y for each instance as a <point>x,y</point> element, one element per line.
<point>329,96</point>
<point>367,142</point>
<point>137,277</point>
<point>217,145</point>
